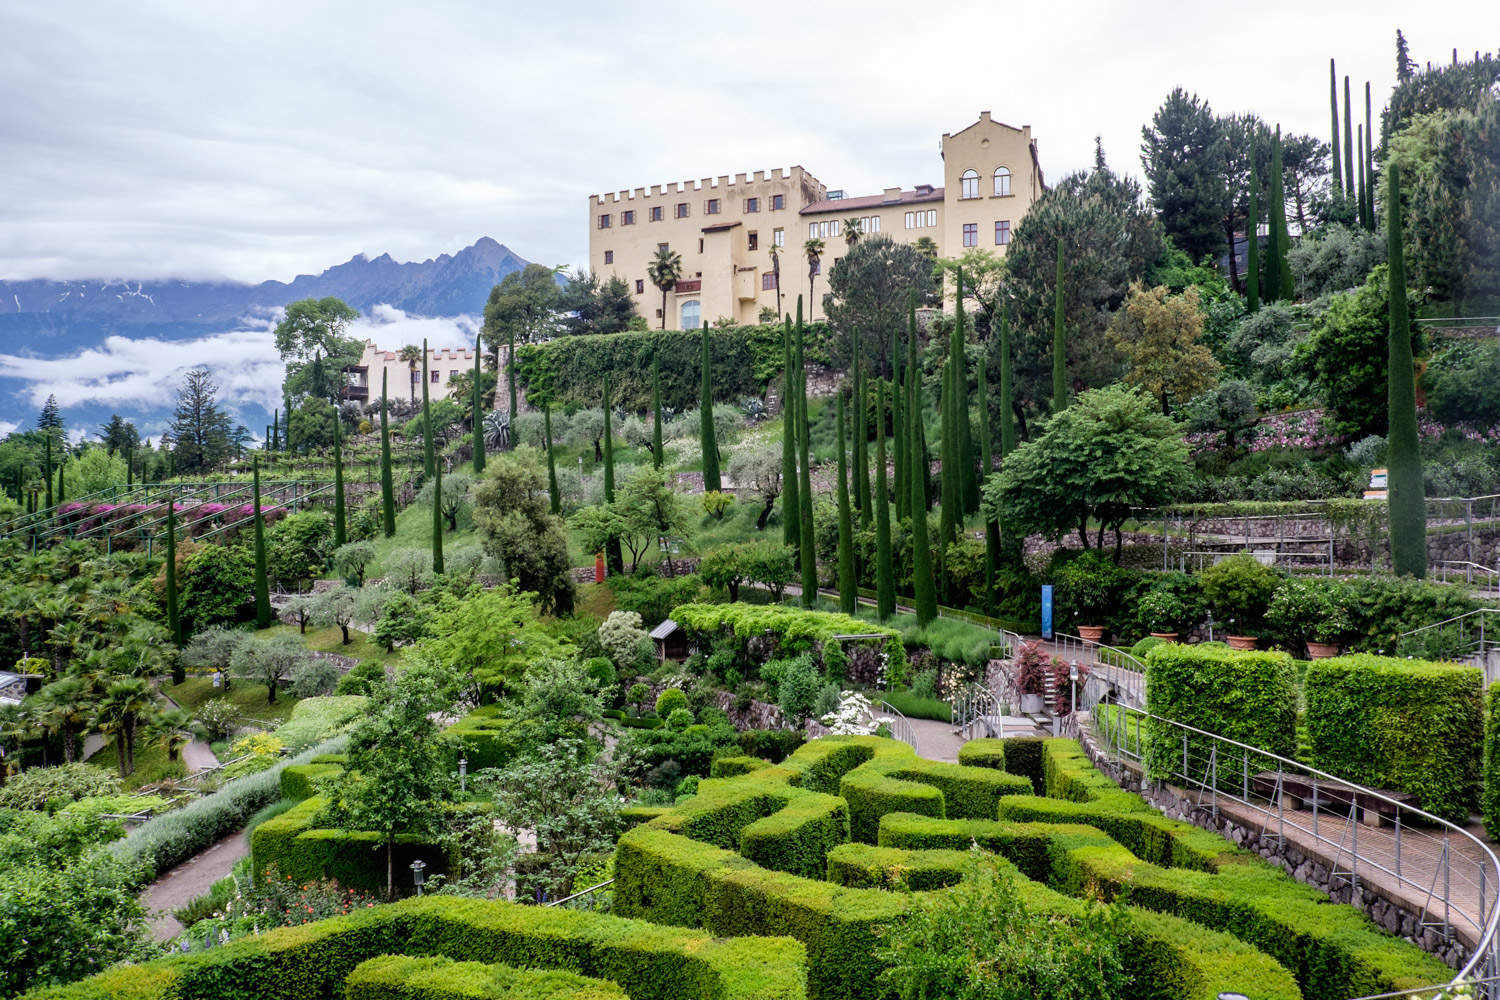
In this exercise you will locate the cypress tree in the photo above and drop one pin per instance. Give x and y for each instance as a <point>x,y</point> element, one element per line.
<point>1333,102</point>
<point>951,499</point>
<point>47,468</point>
<point>478,416</point>
<point>791,507</point>
<point>262,586</point>
<point>967,480</point>
<point>129,472</point>
<point>918,453</point>
<point>274,444</point>
<point>1348,144</point>
<point>61,489</point>
<point>986,458</point>
<point>804,487</point>
<point>885,570</point>
<point>859,471</point>
<point>656,446</point>
<point>924,587</point>
<point>387,487</point>
<point>1059,341</point>
<point>437,523</point>
<point>553,493</point>
<point>1408,507</point>
<point>1369,157</point>
<point>848,595</point>
<point>614,554</point>
<point>1007,413</point>
<point>429,463</point>
<point>510,373</point>
<point>1252,238</point>
<point>174,613</point>
<point>1284,284</point>
<point>1359,138</point>
<point>897,424</point>
<point>711,479</point>
<point>340,525</point>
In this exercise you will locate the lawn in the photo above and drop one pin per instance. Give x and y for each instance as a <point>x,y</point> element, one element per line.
<point>331,640</point>
<point>151,764</point>
<point>249,698</point>
<point>414,531</point>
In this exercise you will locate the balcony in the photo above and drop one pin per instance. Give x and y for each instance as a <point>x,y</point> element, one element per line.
<point>689,285</point>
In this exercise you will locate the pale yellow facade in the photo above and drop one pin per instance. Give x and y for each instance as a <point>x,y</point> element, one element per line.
<point>726,230</point>
<point>362,381</point>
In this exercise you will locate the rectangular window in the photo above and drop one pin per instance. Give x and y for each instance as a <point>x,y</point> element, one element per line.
<point>700,244</point>
<point>656,213</point>
<point>433,377</point>
<point>768,281</point>
<point>453,374</point>
<point>752,205</point>
<point>874,223</point>
<point>682,210</point>
<point>932,217</point>
<point>627,218</point>
<point>778,202</point>
<point>778,237</point>
<point>971,234</point>
<point>909,224</point>
<point>711,207</point>
<point>1002,232</point>
<point>609,256</point>
<point>754,241</point>
<point>661,247</point>
<point>640,286</point>
<point>604,221</point>
<point>812,230</point>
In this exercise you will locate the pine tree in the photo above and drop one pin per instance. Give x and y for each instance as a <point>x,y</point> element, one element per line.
<point>1059,342</point>
<point>848,595</point>
<point>924,586</point>
<point>1284,286</point>
<point>1252,238</point>
<point>340,525</point>
<point>986,458</point>
<point>1007,402</point>
<point>437,523</point>
<point>967,480</point>
<point>791,506</point>
<point>1404,64</point>
<point>614,553</point>
<point>656,445</point>
<point>387,487</point>
<point>262,586</point>
<point>1348,143</point>
<point>1333,100</point>
<point>478,415</point>
<point>174,614</point>
<point>553,493</point>
<point>804,487</point>
<point>429,463</point>
<point>712,483</point>
<point>1407,503</point>
<point>885,570</point>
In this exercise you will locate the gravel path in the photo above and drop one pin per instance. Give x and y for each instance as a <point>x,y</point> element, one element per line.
<point>188,881</point>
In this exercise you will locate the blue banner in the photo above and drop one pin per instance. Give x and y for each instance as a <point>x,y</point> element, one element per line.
<point>1047,611</point>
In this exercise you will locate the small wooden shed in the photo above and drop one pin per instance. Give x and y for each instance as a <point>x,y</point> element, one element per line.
<point>671,642</point>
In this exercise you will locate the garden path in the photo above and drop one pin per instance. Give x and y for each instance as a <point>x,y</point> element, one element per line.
<point>188,881</point>
<point>197,755</point>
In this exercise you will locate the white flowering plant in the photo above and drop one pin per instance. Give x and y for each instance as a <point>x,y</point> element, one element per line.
<point>855,716</point>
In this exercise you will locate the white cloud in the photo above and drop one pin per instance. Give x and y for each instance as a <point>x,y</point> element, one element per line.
<point>391,328</point>
<point>8,427</point>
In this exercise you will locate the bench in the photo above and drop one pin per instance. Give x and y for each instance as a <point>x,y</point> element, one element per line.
<point>1297,793</point>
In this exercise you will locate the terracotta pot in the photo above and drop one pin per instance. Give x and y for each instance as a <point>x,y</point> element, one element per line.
<point>1165,636</point>
<point>1242,641</point>
<point>1093,633</point>
<point>1321,650</point>
<point>598,568</point>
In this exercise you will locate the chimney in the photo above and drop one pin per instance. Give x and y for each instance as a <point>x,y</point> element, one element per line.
<point>892,195</point>
<point>984,116</point>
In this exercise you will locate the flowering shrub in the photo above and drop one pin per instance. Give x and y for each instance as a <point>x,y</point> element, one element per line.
<point>855,716</point>
<point>278,901</point>
<point>70,508</point>
<point>1311,609</point>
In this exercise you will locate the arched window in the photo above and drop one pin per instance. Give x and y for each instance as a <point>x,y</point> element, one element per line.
<point>969,184</point>
<point>692,314</point>
<point>1002,181</point>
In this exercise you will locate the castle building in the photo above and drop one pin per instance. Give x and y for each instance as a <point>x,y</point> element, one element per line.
<point>362,381</point>
<point>737,237</point>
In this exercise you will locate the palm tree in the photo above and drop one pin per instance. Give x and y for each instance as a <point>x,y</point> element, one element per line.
<point>927,245</point>
<point>127,702</point>
<point>664,271</point>
<point>852,231</point>
<point>171,730</point>
<point>813,248</point>
<point>412,355</point>
<point>62,709</point>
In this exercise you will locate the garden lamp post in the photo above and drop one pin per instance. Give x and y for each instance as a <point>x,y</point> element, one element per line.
<point>463,775</point>
<point>1073,687</point>
<point>417,867</point>
<point>1210,624</point>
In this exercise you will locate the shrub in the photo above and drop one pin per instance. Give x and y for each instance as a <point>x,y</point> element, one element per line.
<point>1145,646</point>
<point>298,847</point>
<point>396,977</point>
<point>620,634</point>
<point>1246,696</point>
<point>1406,725</point>
<point>220,718</point>
<point>679,719</point>
<point>316,719</point>
<point>49,787</point>
<point>1239,590</point>
<point>364,678</point>
<point>1172,603</point>
<point>1311,609</point>
<point>314,677</point>
<point>774,745</point>
<point>669,701</point>
<point>789,631</point>
<point>797,693</point>
<point>486,739</point>
<point>1490,804</point>
<point>653,597</point>
<point>1089,589</point>
<point>1384,607</point>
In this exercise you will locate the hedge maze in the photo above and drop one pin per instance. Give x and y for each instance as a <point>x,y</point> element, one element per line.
<point>827,846</point>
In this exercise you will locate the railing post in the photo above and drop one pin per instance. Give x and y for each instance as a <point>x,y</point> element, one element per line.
<point>1245,792</point>
<point>1184,755</point>
<point>1398,855</point>
<point>1354,841</point>
<point>1447,865</point>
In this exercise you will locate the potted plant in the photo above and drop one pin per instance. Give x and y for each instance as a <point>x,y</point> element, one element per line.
<point>1314,611</point>
<point>1031,676</point>
<point>1161,610</point>
<point>1240,589</point>
<point>1089,588</point>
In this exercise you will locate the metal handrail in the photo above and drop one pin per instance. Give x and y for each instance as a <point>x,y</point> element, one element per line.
<point>1211,782</point>
<point>580,894</point>
<point>1451,621</point>
<point>901,727</point>
<point>1126,674</point>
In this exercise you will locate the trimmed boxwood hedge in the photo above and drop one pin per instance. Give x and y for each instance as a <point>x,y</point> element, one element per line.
<point>485,738</point>
<point>313,961</point>
<point>797,630</point>
<point>1246,696</point>
<point>1408,725</point>
<point>399,977</point>
<point>1490,803</point>
<point>303,851</point>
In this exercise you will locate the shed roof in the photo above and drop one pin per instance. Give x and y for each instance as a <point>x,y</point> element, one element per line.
<point>666,628</point>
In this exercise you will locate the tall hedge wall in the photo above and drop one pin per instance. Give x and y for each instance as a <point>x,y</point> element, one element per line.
<point>1407,725</point>
<point>486,738</point>
<point>314,961</point>
<point>399,977</point>
<point>1246,696</point>
<point>303,851</point>
<point>573,368</point>
<point>1490,802</point>
<point>795,629</point>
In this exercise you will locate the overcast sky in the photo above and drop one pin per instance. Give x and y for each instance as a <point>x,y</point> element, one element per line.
<point>262,140</point>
